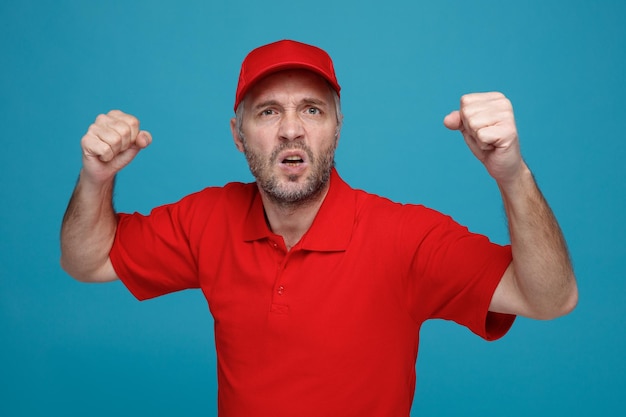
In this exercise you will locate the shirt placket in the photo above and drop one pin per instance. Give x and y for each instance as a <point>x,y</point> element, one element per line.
<point>280,296</point>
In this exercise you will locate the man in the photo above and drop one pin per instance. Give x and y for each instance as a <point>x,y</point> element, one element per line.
<point>318,291</point>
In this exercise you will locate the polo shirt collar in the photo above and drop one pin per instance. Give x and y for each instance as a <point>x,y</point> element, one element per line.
<point>331,229</point>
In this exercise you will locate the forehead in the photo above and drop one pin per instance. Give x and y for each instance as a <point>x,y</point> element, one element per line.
<point>293,84</point>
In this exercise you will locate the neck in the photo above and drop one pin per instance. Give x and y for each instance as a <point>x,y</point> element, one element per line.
<point>292,220</point>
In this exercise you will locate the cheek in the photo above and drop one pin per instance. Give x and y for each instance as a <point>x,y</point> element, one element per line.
<point>258,151</point>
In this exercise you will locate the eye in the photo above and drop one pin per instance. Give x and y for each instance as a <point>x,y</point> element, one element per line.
<point>313,110</point>
<point>267,112</point>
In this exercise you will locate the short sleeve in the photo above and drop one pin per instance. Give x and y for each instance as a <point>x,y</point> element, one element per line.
<point>455,275</point>
<point>152,254</point>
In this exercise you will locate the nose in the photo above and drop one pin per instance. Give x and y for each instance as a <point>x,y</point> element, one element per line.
<point>291,127</point>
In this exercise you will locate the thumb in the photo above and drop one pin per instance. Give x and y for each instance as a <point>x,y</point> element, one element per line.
<point>453,121</point>
<point>144,138</point>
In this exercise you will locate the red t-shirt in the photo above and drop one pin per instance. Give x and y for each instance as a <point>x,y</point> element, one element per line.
<point>330,328</point>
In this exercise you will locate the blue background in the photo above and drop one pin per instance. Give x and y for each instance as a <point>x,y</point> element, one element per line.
<point>92,350</point>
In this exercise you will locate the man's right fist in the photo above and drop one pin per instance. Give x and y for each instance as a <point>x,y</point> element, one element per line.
<point>110,143</point>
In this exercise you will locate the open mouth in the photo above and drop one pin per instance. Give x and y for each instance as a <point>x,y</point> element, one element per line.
<point>293,160</point>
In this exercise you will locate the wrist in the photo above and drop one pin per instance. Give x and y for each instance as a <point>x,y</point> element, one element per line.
<point>518,182</point>
<point>94,186</point>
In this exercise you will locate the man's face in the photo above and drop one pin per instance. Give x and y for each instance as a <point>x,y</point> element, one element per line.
<point>289,135</point>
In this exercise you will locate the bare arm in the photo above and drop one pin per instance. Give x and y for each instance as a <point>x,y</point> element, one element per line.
<point>89,224</point>
<point>540,281</point>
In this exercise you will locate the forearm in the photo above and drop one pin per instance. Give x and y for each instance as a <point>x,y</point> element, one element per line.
<point>89,224</point>
<point>541,266</point>
<point>88,231</point>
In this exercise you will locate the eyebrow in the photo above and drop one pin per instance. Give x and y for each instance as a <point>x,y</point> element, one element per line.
<point>315,101</point>
<point>266,103</point>
<point>306,100</point>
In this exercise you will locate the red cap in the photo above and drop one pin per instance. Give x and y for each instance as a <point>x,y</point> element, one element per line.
<point>283,55</point>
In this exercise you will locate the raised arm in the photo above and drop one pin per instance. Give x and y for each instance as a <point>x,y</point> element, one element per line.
<point>540,281</point>
<point>89,224</point>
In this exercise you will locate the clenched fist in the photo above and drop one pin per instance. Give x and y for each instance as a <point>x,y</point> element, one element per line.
<point>487,123</point>
<point>110,143</point>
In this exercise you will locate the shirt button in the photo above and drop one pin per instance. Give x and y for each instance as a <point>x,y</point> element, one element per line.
<point>281,290</point>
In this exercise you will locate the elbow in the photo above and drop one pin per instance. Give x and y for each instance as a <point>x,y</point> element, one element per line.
<point>563,306</point>
<point>82,273</point>
<point>571,301</point>
<point>66,265</point>
<point>71,270</point>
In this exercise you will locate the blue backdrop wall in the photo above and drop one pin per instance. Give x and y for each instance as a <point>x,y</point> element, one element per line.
<point>74,349</point>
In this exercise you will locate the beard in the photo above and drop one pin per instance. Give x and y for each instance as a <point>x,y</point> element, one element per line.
<point>290,192</point>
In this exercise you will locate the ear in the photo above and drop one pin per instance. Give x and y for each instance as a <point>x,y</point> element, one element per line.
<point>235,133</point>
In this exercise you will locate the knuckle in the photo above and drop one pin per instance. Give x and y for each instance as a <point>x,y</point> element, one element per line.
<point>470,117</point>
<point>503,102</point>
<point>102,119</point>
<point>133,121</point>
<point>473,124</point>
<point>117,137</point>
<point>90,137</point>
<point>124,131</point>
<point>97,148</point>
<point>84,142</point>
